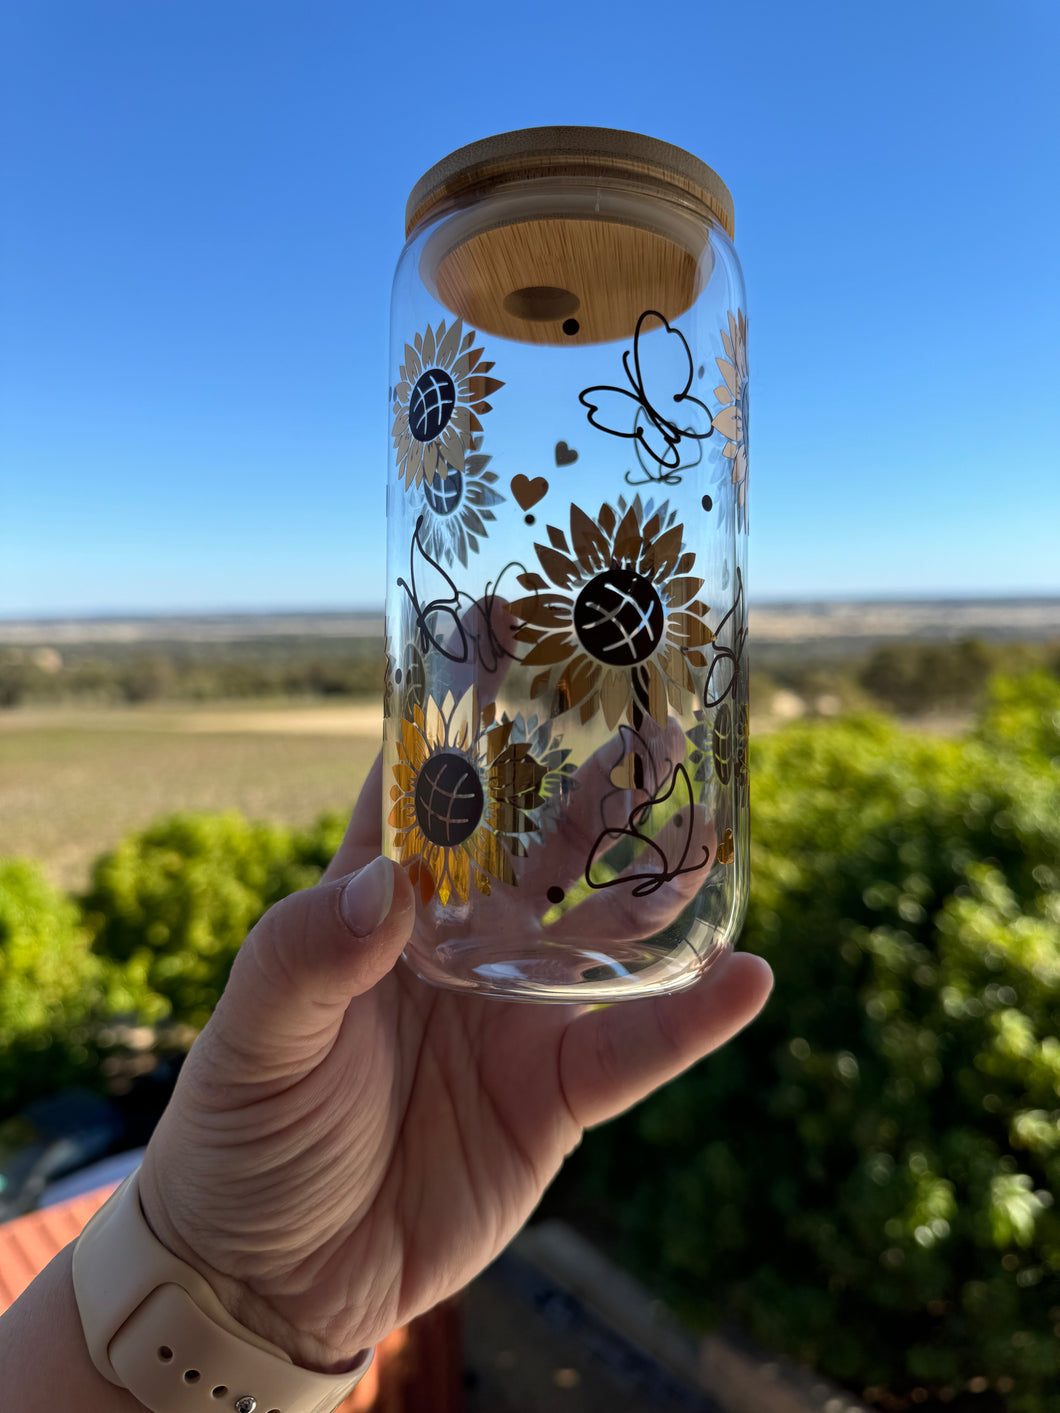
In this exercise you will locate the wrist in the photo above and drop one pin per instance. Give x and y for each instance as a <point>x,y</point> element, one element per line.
<point>44,1361</point>
<point>260,1313</point>
<point>155,1326</point>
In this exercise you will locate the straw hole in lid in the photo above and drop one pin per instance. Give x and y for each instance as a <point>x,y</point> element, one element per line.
<point>541,303</point>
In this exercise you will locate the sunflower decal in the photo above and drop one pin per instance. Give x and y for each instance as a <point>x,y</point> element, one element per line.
<point>719,746</point>
<point>616,623</point>
<point>544,746</point>
<point>732,420</point>
<point>456,507</point>
<point>467,796</point>
<point>441,393</point>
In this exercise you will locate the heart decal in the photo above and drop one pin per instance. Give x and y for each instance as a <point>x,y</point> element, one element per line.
<point>565,455</point>
<point>527,492</point>
<point>628,774</point>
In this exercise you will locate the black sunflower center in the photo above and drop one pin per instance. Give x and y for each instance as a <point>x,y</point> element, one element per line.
<point>619,617</point>
<point>444,493</point>
<point>449,799</point>
<point>431,404</point>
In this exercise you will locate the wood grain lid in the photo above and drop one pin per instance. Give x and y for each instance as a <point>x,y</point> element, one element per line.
<point>555,151</point>
<point>566,235</point>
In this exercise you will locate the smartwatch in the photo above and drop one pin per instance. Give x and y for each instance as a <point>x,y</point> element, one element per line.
<point>154,1326</point>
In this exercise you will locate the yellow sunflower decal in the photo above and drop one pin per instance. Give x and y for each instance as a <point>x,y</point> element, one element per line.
<point>732,420</point>
<point>616,625</point>
<point>441,393</point>
<point>466,796</point>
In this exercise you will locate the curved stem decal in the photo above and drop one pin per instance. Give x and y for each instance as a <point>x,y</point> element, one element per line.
<point>445,609</point>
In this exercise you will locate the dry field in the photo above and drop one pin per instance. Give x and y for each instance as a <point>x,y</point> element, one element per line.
<point>72,782</point>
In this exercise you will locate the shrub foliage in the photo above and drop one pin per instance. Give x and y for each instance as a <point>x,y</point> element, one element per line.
<point>176,900</point>
<point>867,1178</point>
<point>49,986</point>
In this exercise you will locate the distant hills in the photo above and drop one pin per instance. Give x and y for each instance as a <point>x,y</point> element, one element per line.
<point>191,628</point>
<point>850,624</point>
<point>1023,619</point>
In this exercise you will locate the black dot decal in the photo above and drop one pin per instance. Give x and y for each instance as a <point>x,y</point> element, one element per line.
<point>444,493</point>
<point>708,504</point>
<point>619,617</point>
<point>555,894</point>
<point>530,519</point>
<point>431,404</point>
<point>449,799</point>
<point>571,327</point>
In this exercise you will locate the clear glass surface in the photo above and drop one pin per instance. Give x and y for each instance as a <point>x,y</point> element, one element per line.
<point>565,760</point>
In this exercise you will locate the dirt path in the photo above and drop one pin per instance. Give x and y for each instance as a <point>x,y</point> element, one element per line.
<point>350,719</point>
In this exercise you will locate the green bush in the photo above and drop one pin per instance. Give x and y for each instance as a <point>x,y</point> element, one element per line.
<point>1022,717</point>
<point>51,987</point>
<point>175,901</point>
<point>867,1178</point>
<point>154,937</point>
<point>315,846</point>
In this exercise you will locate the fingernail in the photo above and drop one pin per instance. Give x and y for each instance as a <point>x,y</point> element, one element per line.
<point>366,899</point>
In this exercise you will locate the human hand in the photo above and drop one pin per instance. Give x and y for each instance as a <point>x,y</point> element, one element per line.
<point>347,1145</point>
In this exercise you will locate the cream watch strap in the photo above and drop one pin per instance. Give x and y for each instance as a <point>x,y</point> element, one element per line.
<point>155,1327</point>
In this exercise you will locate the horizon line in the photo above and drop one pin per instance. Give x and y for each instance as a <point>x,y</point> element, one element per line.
<point>112,615</point>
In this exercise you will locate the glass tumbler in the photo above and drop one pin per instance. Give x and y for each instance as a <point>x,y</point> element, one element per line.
<point>565,718</point>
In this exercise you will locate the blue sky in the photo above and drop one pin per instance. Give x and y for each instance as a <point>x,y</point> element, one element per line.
<point>201,205</point>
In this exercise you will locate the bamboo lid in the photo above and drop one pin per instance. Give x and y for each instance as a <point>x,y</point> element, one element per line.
<point>575,150</point>
<point>582,264</point>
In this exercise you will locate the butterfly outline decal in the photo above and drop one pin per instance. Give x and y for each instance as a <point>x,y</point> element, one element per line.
<point>659,782</point>
<point>668,430</point>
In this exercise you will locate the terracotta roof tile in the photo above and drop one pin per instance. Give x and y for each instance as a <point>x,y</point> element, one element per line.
<point>28,1243</point>
<point>414,1368</point>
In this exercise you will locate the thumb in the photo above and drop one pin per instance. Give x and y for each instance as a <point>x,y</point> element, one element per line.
<point>309,956</point>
